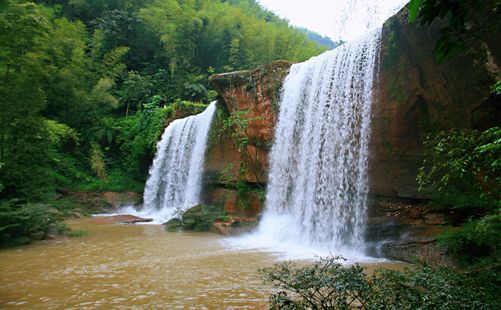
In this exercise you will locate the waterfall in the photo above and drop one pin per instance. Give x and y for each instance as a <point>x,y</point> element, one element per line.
<point>317,186</point>
<point>318,162</point>
<point>175,177</point>
<point>317,183</point>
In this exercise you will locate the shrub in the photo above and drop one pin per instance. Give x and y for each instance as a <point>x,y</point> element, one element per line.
<point>465,167</point>
<point>477,239</point>
<point>462,170</point>
<point>19,224</point>
<point>326,284</point>
<point>197,218</point>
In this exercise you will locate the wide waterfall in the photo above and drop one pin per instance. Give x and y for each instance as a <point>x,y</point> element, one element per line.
<point>317,187</point>
<point>318,162</point>
<point>318,183</point>
<point>175,177</point>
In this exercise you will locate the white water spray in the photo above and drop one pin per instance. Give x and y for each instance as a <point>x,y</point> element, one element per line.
<point>317,188</point>
<point>175,178</point>
<point>355,18</point>
<point>318,163</point>
<point>318,174</point>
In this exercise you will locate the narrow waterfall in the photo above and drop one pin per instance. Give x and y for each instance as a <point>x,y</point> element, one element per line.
<point>175,177</point>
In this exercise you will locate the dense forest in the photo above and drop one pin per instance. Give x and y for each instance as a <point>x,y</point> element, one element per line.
<point>87,85</point>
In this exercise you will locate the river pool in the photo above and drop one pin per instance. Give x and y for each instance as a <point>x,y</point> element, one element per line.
<point>133,267</point>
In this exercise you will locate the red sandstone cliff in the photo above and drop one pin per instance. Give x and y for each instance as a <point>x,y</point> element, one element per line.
<point>414,95</point>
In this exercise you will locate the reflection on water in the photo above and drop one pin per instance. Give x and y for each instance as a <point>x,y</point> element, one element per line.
<point>132,266</point>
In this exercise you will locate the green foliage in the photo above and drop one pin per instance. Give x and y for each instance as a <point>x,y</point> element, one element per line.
<point>97,161</point>
<point>19,224</point>
<point>228,177</point>
<point>117,180</point>
<point>136,89</point>
<point>222,218</point>
<point>201,218</point>
<point>69,206</point>
<point>59,134</point>
<point>464,165</point>
<point>244,190</point>
<point>77,233</point>
<point>193,88</point>
<point>22,223</point>
<point>22,138</point>
<point>465,20</point>
<point>462,170</point>
<point>414,6</point>
<point>237,125</point>
<point>496,88</point>
<point>434,288</point>
<point>138,134</point>
<point>319,39</point>
<point>326,284</point>
<point>477,242</point>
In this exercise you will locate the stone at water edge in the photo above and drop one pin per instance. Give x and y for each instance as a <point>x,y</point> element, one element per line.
<point>235,226</point>
<point>39,235</point>
<point>121,219</point>
<point>173,224</point>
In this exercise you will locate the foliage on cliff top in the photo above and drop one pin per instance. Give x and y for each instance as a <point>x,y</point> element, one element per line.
<point>465,20</point>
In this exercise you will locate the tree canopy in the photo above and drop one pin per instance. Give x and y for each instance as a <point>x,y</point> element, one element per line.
<point>87,86</point>
<point>472,17</point>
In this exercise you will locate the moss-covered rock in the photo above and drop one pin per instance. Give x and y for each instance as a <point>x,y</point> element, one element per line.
<point>234,225</point>
<point>197,218</point>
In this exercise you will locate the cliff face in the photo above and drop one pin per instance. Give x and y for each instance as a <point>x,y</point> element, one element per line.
<point>414,96</point>
<point>254,94</point>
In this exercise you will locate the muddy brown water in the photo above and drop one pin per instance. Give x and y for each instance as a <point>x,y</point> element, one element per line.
<point>133,267</point>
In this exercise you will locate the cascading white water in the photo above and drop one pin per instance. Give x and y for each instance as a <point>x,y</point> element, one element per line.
<point>318,162</point>
<point>175,177</point>
<point>317,187</point>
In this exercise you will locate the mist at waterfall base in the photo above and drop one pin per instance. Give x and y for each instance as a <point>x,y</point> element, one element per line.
<point>318,184</point>
<point>175,177</point>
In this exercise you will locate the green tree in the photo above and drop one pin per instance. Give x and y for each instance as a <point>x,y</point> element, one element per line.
<point>23,141</point>
<point>465,20</point>
<point>462,171</point>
